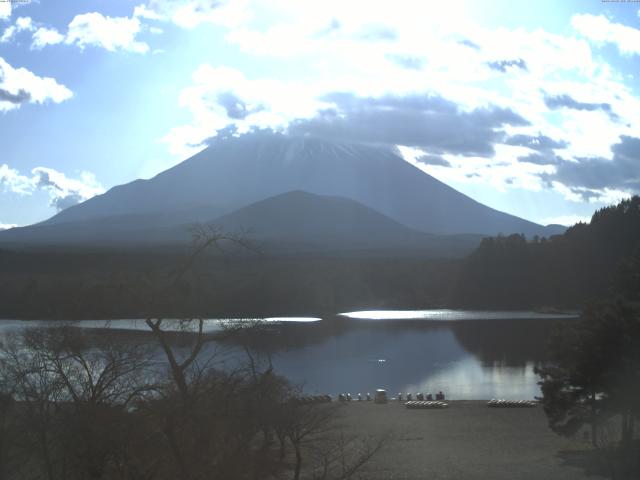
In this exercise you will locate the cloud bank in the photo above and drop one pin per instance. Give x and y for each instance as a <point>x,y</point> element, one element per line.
<point>588,177</point>
<point>510,108</point>
<point>430,122</point>
<point>601,30</point>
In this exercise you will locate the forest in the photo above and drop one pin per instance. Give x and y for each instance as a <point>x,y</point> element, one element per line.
<point>563,271</point>
<point>504,272</point>
<point>124,284</point>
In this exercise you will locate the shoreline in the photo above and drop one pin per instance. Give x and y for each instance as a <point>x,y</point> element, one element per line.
<point>501,314</point>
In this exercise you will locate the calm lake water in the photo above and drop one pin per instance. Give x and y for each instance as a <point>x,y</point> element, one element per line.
<point>467,355</point>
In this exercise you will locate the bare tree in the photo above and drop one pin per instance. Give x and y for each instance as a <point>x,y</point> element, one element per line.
<point>74,399</point>
<point>75,405</point>
<point>6,410</point>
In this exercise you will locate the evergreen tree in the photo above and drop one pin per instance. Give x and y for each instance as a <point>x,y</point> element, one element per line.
<point>595,373</point>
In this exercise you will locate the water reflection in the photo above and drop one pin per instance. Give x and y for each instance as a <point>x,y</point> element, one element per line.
<point>466,359</point>
<point>447,315</point>
<point>469,380</point>
<point>506,342</point>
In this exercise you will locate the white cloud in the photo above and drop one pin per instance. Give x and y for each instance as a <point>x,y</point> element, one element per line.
<point>191,13</point>
<point>12,181</point>
<point>19,85</point>
<point>6,226</point>
<point>88,29</point>
<point>8,33</point>
<point>600,29</point>
<point>21,24</point>
<point>5,10</point>
<point>222,95</point>
<point>143,11</point>
<point>371,50</point>
<point>46,36</point>
<point>63,191</point>
<point>110,33</point>
<point>501,172</point>
<point>607,196</point>
<point>24,23</point>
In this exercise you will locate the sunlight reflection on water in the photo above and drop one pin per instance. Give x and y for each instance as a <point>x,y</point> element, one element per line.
<point>452,315</point>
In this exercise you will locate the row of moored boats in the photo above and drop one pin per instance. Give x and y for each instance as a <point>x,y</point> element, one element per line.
<point>420,401</point>
<point>499,403</point>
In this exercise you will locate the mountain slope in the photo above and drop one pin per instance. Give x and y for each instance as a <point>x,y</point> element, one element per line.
<point>237,171</point>
<point>291,223</point>
<point>320,222</point>
<point>121,229</point>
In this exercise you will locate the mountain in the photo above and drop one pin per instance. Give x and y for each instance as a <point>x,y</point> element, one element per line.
<point>300,220</point>
<point>304,217</point>
<point>237,171</point>
<point>293,223</point>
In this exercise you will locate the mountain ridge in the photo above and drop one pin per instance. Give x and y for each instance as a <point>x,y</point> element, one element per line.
<point>291,223</point>
<point>237,171</point>
<point>240,172</point>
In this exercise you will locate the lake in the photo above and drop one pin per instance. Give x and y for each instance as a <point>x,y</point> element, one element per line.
<point>468,355</point>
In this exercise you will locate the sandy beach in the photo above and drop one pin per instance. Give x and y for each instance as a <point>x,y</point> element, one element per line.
<point>468,440</point>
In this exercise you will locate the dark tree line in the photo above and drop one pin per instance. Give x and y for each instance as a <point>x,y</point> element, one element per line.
<point>592,383</point>
<point>562,271</point>
<point>116,285</point>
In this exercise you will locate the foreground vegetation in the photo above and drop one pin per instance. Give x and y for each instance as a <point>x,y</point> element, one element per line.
<point>591,386</point>
<point>80,407</point>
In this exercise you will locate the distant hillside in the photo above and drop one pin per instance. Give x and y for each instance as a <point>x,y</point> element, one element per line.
<point>121,230</point>
<point>586,262</point>
<point>235,172</point>
<point>291,223</point>
<point>302,216</point>
<point>301,220</point>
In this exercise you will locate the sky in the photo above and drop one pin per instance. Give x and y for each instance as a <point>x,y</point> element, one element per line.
<point>532,108</point>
